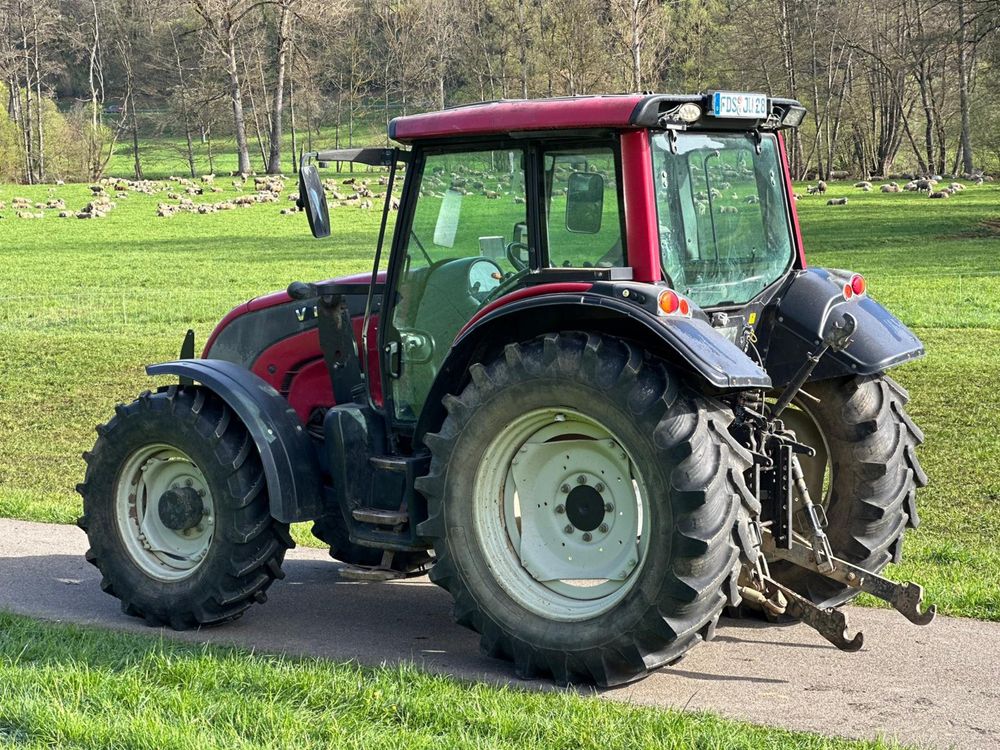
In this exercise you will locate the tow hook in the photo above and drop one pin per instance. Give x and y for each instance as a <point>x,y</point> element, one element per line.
<point>906,598</point>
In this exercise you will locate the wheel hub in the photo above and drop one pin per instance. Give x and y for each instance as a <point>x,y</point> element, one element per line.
<point>585,507</point>
<point>180,508</point>
<point>562,514</point>
<point>165,512</point>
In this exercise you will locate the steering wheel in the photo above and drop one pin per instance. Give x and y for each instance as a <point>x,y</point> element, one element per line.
<point>512,255</point>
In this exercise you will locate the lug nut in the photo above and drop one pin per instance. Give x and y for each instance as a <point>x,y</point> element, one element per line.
<point>587,537</point>
<point>609,508</point>
<point>603,528</point>
<point>581,479</point>
<point>599,487</point>
<point>560,509</point>
<point>569,528</point>
<point>564,489</point>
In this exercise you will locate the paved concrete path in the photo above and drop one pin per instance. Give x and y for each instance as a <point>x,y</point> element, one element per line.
<point>938,686</point>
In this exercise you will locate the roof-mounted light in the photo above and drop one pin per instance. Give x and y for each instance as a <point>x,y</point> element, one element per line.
<point>688,112</point>
<point>793,117</point>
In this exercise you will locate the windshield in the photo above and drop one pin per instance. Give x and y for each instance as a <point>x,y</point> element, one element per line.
<point>724,228</point>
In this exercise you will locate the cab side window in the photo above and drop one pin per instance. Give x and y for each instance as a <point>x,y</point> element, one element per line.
<point>468,236</point>
<point>583,216</point>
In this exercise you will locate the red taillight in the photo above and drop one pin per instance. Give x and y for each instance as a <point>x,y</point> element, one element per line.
<point>669,302</point>
<point>848,291</point>
<point>858,284</point>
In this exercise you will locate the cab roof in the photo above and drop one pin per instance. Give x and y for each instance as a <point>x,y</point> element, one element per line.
<point>610,111</point>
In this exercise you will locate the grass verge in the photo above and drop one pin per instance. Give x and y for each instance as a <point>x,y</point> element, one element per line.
<point>73,687</point>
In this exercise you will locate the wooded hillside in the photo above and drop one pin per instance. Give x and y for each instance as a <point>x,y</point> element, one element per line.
<point>891,85</point>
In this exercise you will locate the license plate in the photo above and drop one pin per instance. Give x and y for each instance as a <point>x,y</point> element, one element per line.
<point>737,105</point>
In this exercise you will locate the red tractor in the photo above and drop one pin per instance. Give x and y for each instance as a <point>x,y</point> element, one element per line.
<point>595,391</point>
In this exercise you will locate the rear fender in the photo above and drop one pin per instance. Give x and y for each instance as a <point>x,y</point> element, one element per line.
<point>814,300</point>
<point>291,467</point>
<point>713,362</point>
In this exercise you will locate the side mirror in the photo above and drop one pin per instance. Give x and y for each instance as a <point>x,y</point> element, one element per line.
<point>584,202</point>
<point>312,198</point>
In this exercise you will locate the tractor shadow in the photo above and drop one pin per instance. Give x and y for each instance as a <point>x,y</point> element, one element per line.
<point>314,613</point>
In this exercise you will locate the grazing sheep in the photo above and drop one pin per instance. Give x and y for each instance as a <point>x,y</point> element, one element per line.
<point>863,184</point>
<point>891,187</point>
<point>956,186</point>
<point>837,202</point>
<point>911,186</point>
<point>925,184</point>
<point>939,194</point>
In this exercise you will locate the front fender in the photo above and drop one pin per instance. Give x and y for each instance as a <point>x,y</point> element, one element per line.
<point>808,306</point>
<point>291,468</point>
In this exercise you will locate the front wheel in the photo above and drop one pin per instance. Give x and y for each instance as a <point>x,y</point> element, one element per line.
<point>586,509</point>
<point>176,511</point>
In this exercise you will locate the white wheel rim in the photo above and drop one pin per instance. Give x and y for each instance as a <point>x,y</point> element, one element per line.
<point>161,552</point>
<point>561,514</point>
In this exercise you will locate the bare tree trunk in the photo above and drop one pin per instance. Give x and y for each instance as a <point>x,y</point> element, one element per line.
<point>274,154</point>
<point>185,112</point>
<point>39,114</point>
<point>291,117</point>
<point>256,116</point>
<point>236,94</point>
<point>968,162</point>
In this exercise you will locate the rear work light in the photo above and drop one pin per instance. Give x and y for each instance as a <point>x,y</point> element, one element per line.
<point>671,303</point>
<point>856,287</point>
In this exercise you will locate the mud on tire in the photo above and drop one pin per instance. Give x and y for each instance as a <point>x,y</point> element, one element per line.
<point>699,504</point>
<point>248,546</point>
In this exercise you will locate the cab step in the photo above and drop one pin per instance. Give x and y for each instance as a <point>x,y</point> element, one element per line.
<point>370,574</point>
<point>380,517</point>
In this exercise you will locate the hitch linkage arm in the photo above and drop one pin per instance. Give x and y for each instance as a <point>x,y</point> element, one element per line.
<point>906,598</point>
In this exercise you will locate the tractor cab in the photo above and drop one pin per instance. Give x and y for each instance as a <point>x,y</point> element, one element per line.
<point>593,389</point>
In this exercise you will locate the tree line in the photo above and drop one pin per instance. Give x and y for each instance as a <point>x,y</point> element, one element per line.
<point>890,84</point>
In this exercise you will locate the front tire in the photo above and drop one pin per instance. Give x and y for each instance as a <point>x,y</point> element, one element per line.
<point>586,411</point>
<point>176,511</point>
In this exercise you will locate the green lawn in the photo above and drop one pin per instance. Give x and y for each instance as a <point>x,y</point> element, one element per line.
<point>84,304</point>
<point>72,687</point>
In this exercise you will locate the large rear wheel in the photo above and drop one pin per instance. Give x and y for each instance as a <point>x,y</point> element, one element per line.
<point>586,509</point>
<point>176,511</point>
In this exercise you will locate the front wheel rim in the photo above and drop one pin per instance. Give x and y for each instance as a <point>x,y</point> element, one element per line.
<point>562,514</point>
<point>161,552</point>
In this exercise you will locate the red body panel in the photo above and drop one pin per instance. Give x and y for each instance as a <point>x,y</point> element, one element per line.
<point>641,224</point>
<point>793,212</point>
<point>509,116</point>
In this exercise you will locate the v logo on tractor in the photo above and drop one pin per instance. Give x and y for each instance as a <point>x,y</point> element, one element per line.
<point>596,392</point>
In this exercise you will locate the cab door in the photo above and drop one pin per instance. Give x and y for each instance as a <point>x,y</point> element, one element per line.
<point>467,238</point>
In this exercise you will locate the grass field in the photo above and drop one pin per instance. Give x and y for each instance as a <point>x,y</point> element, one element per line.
<point>71,687</point>
<point>84,304</point>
